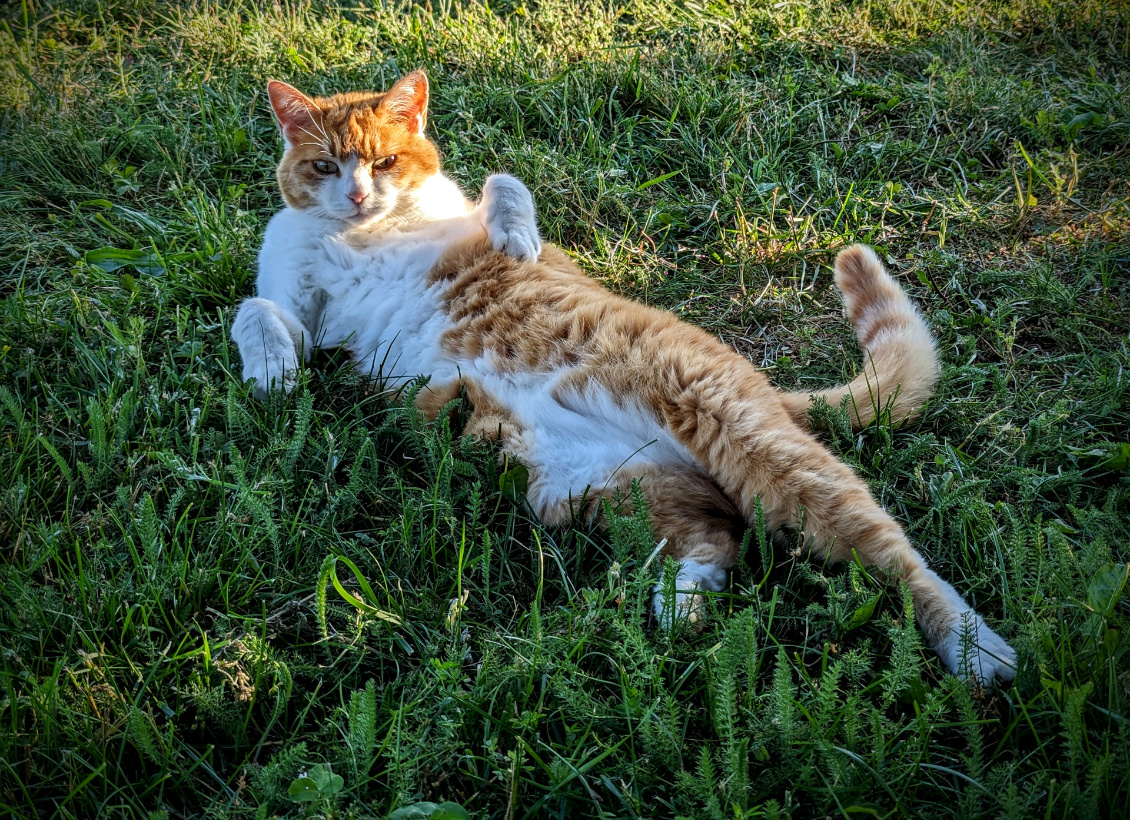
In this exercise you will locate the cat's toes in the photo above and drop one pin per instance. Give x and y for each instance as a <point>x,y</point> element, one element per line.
<point>265,336</point>
<point>687,607</point>
<point>971,649</point>
<point>523,245</point>
<point>272,372</point>
<point>687,604</point>
<point>263,384</point>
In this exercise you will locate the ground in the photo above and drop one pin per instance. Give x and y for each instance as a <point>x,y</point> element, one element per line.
<point>203,597</point>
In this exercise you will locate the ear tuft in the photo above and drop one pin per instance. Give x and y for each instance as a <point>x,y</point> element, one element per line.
<point>408,100</point>
<point>294,110</point>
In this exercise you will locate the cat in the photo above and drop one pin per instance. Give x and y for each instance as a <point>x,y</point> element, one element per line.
<point>381,254</point>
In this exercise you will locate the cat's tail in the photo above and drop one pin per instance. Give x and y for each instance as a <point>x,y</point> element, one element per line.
<point>900,364</point>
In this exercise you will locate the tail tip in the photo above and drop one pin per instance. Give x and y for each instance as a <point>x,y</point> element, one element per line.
<point>862,279</point>
<point>856,265</point>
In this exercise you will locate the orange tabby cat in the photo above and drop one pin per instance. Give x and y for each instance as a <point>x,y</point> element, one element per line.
<point>380,253</point>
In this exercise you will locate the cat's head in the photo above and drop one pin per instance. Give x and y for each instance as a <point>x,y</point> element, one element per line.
<point>355,157</point>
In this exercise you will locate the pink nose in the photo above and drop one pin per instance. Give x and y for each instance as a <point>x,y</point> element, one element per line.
<point>357,197</point>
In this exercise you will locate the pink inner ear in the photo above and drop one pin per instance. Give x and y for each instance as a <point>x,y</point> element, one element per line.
<point>408,99</point>
<point>295,111</point>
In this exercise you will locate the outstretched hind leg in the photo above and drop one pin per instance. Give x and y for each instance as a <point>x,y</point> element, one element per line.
<point>788,470</point>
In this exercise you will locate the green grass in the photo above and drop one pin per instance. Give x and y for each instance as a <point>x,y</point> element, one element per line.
<point>171,641</point>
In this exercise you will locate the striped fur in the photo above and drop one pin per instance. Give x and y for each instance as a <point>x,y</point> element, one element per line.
<point>900,365</point>
<point>747,441</point>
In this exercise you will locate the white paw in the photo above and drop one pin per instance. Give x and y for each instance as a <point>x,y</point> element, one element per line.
<point>688,603</point>
<point>509,217</point>
<point>266,347</point>
<point>971,649</point>
<point>275,370</point>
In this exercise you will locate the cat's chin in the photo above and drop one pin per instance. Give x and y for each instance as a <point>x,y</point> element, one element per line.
<point>369,218</point>
<point>362,221</point>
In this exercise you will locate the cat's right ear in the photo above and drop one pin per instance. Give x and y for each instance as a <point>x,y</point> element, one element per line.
<point>295,112</point>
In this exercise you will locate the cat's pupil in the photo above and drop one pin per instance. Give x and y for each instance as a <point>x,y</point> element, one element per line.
<point>323,166</point>
<point>384,162</point>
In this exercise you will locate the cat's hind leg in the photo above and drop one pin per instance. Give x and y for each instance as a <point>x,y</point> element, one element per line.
<point>698,526</point>
<point>269,339</point>
<point>789,470</point>
<point>507,212</point>
<point>688,511</point>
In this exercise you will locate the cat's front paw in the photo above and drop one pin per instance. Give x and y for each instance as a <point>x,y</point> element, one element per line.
<point>270,359</point>
<point>509,217</point>
<point>276,370</point>
<point>971,649</point>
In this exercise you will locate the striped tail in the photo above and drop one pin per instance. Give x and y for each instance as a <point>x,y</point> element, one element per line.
<point>900,365</point>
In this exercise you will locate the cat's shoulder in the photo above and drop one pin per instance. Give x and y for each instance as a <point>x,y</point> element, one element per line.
<point>439,197</point>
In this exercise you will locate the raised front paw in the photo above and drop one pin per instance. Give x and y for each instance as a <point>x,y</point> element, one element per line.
<point>509,217</point>
<point>972,649</point>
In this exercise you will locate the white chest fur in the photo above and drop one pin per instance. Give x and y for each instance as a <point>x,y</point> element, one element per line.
<point>380,305</point>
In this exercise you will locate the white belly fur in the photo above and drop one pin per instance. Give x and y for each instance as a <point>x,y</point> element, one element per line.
<point>383,310</point>
<point>575,442</point>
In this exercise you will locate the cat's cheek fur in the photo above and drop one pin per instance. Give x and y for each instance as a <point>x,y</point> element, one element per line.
<point>383,199</point>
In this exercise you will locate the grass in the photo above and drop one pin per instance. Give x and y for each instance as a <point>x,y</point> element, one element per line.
<point>203,597</point>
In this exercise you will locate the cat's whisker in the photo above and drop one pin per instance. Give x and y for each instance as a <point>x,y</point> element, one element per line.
<point>320,142</point>
<point>322,131</point>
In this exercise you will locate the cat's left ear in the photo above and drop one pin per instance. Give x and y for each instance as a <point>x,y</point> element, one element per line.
<point>408,99</point>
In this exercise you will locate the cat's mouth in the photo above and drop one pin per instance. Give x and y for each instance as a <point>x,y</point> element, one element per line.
<point>362,215</point>
<point>366,212</point>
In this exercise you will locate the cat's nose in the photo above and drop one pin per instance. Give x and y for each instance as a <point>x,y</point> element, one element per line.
<point>356,197</point>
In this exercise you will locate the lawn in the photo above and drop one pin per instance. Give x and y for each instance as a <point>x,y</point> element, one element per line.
<point>203,597</point>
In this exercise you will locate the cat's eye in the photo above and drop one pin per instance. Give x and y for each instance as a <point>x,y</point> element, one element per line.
<point>384,163</point>
<point>324,166</point>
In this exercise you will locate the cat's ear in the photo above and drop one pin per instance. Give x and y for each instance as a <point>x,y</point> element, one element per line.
<point>408,100</point>
<point>295,112</point>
